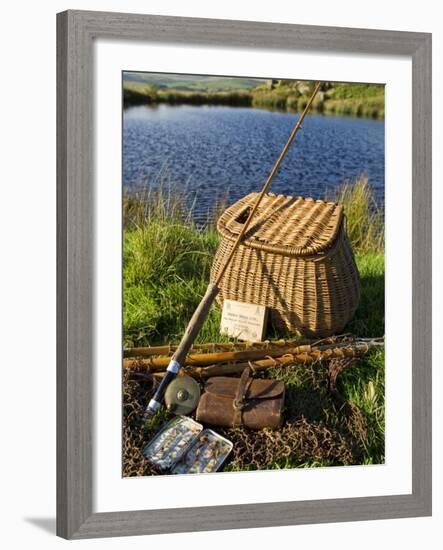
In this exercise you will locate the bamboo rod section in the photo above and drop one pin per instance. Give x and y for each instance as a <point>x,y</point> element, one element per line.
<point>212,347</point>
<point>303,358</point>
<point>218,364</point>
<point>205,359</point>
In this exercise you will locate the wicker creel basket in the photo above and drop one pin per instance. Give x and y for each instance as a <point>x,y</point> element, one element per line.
<point>295,259</point>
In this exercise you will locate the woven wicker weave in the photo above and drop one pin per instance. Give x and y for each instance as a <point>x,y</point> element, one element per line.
<point>295,259</point>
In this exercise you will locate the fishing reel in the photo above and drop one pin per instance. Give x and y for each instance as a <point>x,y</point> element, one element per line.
<point>182,395</point>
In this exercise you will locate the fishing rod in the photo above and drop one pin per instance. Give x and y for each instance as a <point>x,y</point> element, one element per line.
<point>213,289</point>
<point>205,362</point>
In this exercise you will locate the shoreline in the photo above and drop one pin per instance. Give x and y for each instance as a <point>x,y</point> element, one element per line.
<point>360,107</point>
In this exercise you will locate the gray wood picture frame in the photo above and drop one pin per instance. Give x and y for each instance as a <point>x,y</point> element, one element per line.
<point>76,32</point>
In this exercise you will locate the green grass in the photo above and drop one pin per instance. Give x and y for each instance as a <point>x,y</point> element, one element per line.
<point>345,90</point>
<point>167,261</point>
<point>166,264</point>
<point>214,85</point>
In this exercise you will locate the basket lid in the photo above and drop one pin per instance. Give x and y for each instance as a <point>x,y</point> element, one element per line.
<point>294,226</point>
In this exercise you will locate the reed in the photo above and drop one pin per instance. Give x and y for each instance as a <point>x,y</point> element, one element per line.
<point>155,202</point>
<point>133,95</point>
<point>150,95</point>
<point>372,107</point>
<point>364,219</point>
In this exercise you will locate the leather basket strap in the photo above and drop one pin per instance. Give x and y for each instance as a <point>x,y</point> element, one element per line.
<point>239,400</point>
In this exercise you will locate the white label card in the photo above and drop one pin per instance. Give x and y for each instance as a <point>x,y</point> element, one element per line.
<point>243,321</point>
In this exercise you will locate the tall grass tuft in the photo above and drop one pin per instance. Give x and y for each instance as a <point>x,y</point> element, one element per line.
<point>148,204</point>
<point>166,264</point>
<point>364,219</point>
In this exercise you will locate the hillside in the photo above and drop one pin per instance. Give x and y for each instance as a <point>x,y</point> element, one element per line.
<point>189,82</point>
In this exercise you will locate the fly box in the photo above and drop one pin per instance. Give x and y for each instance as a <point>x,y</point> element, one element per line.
<point>206,454</point>
<point>171,442</point>
<point>183,446</point>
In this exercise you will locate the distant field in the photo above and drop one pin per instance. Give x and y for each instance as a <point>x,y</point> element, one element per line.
<point>139,81</point>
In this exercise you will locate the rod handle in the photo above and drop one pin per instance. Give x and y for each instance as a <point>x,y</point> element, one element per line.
<point>195,324</point>
<point>177,360</point>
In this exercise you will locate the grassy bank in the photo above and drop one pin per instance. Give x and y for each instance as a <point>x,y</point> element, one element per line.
<point>150,95</point>
<point>167,261</point>
<point>362,100</point>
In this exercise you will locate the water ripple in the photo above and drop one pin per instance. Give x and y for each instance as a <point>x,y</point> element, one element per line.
<point>222,153</point>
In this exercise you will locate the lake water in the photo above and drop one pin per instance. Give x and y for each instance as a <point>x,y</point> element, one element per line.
<point>222,153</point>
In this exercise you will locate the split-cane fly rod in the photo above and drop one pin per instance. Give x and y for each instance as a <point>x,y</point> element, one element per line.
<point>202,310</point>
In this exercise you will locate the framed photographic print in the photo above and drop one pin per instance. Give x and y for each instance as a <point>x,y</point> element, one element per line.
<point>244,280</point>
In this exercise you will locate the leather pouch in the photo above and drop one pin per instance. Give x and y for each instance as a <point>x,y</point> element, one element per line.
<point>242,401</point>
